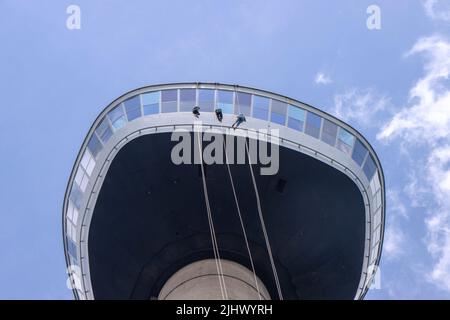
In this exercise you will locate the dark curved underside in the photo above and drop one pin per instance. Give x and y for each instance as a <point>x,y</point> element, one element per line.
<point>150,220</point>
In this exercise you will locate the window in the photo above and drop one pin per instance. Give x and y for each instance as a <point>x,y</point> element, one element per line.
<point>187,100</point>
<point>150,102</point>
<point>329,132</point>
<point>117,117</point>
<point>71,231</point>
<point>374,253</point>
<point>206,100</point>
<point>103,130</point>
<point>225,101</point>
<point>133,108</point>
<point>359,152</point>
<point>169,100</point>
<point>369,167</point>
<point>296,118</point>
<point>376,219</point>
<point>76,196</point>
<point>72,213</point>
<point>87,162</point>
<point>261,107</point>
<point>243,103</point>
<point>375,183</point>
<point>377,200</point>
<point>94,145</point>
<point>345,141</point>
<point>81,178</point>
<point>312,127</point>
<point>376,235</point>
<point>278,114</point>
<point>72,249</point>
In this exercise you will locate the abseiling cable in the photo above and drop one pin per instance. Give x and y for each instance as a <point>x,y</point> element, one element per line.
<point>263,226</point>
<point>241,221</point>
<point>223,288</point>
<point>260,214</point>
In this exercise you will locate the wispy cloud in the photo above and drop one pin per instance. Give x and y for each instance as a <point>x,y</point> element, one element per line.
<point>395,236</point>
<point>322,78</point>
<point>437,9</point>
<point>431,109</point>
<point>394,241</point>
<point>424,125</point>
<point>361,105</point>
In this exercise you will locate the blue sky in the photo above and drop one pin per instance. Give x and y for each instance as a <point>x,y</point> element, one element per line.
<point>391,84</point>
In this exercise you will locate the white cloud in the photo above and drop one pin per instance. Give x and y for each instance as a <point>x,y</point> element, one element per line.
<point>437,9</point>
<point>396,204</point>
<point>424,125</point>
<point>394,236</point>
<point>394,241</point>
<point>432,109</point>
<point>322,78</point>
<point>360,105</point>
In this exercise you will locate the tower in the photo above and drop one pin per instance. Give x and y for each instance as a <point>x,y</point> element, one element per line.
<point>294,211</point>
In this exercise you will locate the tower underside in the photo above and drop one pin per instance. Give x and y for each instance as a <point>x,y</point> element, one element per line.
<point>150,221</point>
<point>135,219</point>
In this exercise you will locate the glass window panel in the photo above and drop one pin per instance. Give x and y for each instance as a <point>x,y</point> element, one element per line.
<point>376,219</point>
<point>150,102</point>
<point>225,101</point>
<point>84,182</point>
<point>86,162</point>
<point>187,99</point>
<point>279,107</point>
<point>206,100</point>
<point>296,113</point>
<point>79,175</point>
<point>359,152</point>
<point>76,195</point>
<point>243,103</point>
<point>169,100</point>
<point>329,132</point>
<point>278,114</point>
<point>150,98</point>
<point>81,179</point>
<point>71,231</point>
<point>72,212</point>
<point>374,253</point>
<point>369,167</point>
<point>70,208</point>
<point>169,95</point>
<point>94,145</point>
<point>117,117</point>
<point>376,235</point>
<point>90,166</point>
<point>296,117</point>
<point>376,181</point>
<point>261,107</point>
<point>277,118</point>
<point>312,127</point>
<point>104,131</point>
<point>346,137</point>
<point>377,200</point>
<point>345,140</point>
<point>72,249</point>
<point>133,108</point>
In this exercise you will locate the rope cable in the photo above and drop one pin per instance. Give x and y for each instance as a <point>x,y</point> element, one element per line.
<point>222,284</point>
<point>242,222</point>
<point>261,218</point>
